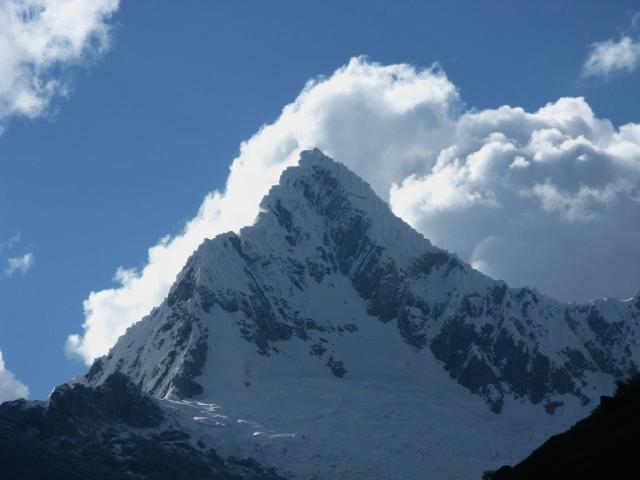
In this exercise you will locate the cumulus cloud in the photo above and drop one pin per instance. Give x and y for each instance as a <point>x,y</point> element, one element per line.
<point>10,387</point>
<point>19,264</point>
<point>39,41</point>
<point>547,198</point>
<point>615,56</point>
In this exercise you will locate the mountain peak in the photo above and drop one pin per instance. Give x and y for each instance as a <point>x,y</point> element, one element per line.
<point>320,179</point>
<point>315,156</point>
<point>320,193</point>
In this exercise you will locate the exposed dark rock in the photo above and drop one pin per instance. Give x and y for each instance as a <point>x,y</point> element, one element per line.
<point>184,289</point>
<point>110,432</point>
<point>550,407</point>
<point>337,367</point>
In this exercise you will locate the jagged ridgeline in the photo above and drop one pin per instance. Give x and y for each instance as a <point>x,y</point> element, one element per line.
<point>326,278</point>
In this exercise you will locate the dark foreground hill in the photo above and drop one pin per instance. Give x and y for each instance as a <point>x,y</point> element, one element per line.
<point>603,445</point>
<point>113,432</point>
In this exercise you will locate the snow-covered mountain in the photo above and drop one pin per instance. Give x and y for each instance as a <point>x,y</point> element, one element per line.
<point>331,340</point>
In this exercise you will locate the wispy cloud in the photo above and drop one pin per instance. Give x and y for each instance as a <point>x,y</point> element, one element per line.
<point>10,242</point>
<point>611,56</point>
<point>19,264</point>
<point>10,387</point>
<point>39,41</point>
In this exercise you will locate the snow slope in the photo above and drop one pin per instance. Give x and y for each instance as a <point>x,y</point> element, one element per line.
<point>331,340</point>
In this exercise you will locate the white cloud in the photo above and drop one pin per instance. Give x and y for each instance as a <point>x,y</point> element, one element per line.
<point>615,56</point>
<point>19,264</point>
<point>39,40</point>
<point>584,203</point>
<point>549,198</point>
<point>535,198</point>
<point>612,56</point>
<point>10,387</point>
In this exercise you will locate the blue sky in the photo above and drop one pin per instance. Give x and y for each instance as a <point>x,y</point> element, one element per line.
<point>151,126</point>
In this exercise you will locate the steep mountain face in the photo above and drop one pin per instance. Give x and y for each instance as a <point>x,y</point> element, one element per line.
<point>110,432</point>
<point>330,291</point>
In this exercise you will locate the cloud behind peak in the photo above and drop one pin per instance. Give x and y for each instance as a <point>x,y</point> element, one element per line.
<point>10,387</point>
<point>479,183</point>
